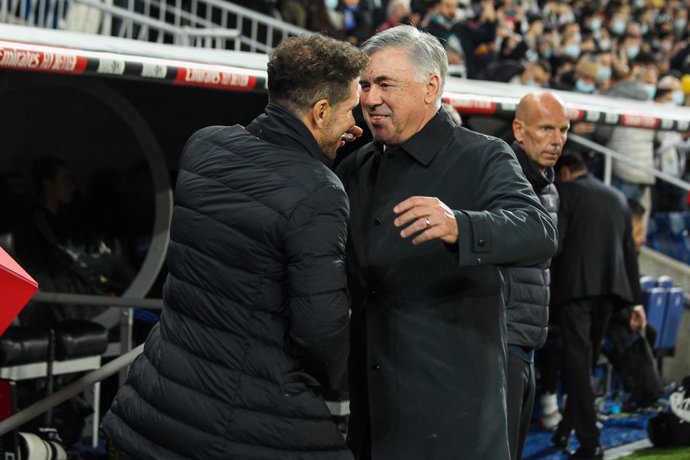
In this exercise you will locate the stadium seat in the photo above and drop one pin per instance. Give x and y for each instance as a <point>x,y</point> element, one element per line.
<point>675,303</point>
<point>647,283</point>
<point>655,307</point>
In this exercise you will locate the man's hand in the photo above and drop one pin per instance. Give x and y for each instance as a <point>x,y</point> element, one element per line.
<point>351,134</point>
<point>638,319</point>
<point>428,218</point>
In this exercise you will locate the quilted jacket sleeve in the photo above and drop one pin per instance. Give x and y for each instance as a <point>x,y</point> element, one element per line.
<point>318,301</point>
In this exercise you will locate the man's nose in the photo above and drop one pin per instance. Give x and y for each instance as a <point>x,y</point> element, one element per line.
<point>372,97</point>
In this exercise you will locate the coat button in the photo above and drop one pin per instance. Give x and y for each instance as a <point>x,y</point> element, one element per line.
<point>376,367</point>
<point>481,242</point>
<point>377,221</point>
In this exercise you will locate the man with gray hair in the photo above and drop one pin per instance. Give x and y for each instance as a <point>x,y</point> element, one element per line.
<point>434,209</point>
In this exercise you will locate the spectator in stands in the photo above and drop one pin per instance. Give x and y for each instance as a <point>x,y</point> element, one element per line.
<point>670,153</point>
<point>356,21</point>
<point>534,31</point>
<point>397,12</point>
<point>586,76</point>
<point>536,74</point>
<point>442,25</point>
<point>604,60</point>
<point>593,274</point>
<point>477,36</point>
<point>423,284</point>
<point>255,321</point>
<point>637,143</point>
<point>540,129</point>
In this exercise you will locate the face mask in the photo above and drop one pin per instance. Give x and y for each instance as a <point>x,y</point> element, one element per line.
<point>572,50</point>
<point>680,23</point>
<point>678,97</point>
<point>651,90</point>
<point>578,38</point>
<point>618,27</point>
<point>331,4</point>
<point>530,83</point>
<point>595,24</point>
<point>582,87</point>
<point>638,3</point>
<point>644,28</point>
<point>548,53</point>
<point>604,73</point>
<point>605,45</point>
<point>633,51</point>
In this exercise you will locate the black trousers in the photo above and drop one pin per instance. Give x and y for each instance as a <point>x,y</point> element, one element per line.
<point>583,324</point>
<point>520,401</point>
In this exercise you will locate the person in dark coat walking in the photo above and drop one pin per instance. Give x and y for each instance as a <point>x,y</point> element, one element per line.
<point>594,274</point>
<point>255,320</point>
<point>435,208</point>
<point>540,129</point>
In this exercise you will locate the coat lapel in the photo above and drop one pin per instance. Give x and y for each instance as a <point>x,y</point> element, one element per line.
<point>361,199</point>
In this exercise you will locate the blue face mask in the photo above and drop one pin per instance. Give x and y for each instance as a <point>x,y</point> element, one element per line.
<point>644,28</point>
<point>604,73</point>
<point>548,53</point>
<point>618,27</point>
<point>595,24</point>
<point>582,87</point>
<point>572,50</point>
<point>650,89</point>
<point>678,97</point>
<point>331,4</point>
<point>531,83</point>
<point>680,23</point>
<point>633,51</point>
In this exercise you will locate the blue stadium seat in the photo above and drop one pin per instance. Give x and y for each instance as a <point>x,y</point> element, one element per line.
<point>655,307</point>
<point>647,283</point>
<point>665,282</point>
<point>675,304</point>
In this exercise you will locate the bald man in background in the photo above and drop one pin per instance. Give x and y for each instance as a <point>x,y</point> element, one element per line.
<point>540,129</point>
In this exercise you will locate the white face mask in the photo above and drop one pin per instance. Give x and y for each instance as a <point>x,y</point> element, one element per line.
<point>331,4</point>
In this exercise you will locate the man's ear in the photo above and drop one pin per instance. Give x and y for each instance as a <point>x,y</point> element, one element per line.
<point>517,130</point>
<point>433,88</point>
<point>319,113</point>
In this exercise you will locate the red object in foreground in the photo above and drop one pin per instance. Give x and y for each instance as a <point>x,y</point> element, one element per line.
<point>16,288</point>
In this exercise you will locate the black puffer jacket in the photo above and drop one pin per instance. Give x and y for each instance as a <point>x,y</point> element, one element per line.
<point>527,288</point>
<point>256,307</point>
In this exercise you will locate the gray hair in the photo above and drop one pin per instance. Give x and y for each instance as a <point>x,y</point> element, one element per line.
<point>425,51</point>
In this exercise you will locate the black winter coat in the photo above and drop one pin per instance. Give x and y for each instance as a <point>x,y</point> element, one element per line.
<point>428,359</point>
<point>596,253</point>
<point>256,307</point>
<point>527,288</point>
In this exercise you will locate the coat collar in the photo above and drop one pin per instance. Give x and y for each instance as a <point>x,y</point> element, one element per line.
<point>423,146</point>
<point>278,126</point>
<point>536,178</point>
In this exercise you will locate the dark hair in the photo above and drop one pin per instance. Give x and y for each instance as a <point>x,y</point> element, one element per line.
<point>45,168</point>
<point>572,161</point>
<point>544,65</point>
<point>309,67</point>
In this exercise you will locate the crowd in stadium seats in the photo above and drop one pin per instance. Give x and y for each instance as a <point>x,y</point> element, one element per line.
<point>633,49</point>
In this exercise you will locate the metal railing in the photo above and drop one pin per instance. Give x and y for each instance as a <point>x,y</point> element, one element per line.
<point>199,23</point>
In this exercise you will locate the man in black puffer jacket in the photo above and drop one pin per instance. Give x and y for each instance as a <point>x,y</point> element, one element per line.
<point>256,306</point>
<point>540,128</point>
